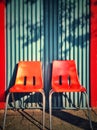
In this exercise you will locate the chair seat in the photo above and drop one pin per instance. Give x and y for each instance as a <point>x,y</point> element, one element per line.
<point>25,88</point>
<point>67,88</point>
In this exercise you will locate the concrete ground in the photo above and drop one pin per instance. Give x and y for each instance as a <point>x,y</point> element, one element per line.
<point>61,120</point>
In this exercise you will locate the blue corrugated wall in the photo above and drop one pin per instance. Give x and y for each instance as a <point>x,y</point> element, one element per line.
<point>47,30</point>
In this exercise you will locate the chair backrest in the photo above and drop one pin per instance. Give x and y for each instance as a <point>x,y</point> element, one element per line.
<point>29,73</point>
<point>64,73</point>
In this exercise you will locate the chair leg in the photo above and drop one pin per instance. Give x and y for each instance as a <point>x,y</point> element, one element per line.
<point>50,107</point>
<point>43,95</point>
<point>80,100</point>
<point>87,102</point>
<point>5,112</point>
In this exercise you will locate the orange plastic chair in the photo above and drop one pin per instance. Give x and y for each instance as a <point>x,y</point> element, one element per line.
<point>65,79</point>
<point>28,80</point>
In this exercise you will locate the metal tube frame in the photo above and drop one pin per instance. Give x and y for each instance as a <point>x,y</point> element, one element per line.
<point>43,95</point>
<point>5,112</point>
<point>88,107</point>
<point>50,107</point>
<point>7,99</point>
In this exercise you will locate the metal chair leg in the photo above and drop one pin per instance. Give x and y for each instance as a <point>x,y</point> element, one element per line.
<point>87,102</point>
<point>43,95</point>
<point>50,107</point>
<point>5,112</point>
<point>80,100</point>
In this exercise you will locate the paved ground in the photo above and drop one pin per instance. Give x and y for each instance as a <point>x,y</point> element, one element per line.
<point>62,120</point>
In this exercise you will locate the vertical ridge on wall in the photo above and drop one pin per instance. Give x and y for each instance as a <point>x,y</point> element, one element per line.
<point>47,30</point>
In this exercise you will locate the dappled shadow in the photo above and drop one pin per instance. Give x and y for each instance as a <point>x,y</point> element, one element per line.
<point>67,25</point>
<point>64,15</point>
<point>47,30</point>
<point>67,13</point>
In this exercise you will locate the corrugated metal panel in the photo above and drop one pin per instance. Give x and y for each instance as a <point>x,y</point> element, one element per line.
<point>48,30</point>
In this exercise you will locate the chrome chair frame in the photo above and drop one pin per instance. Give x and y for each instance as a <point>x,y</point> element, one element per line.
<point>13,99</point>
<point>65,68</point>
